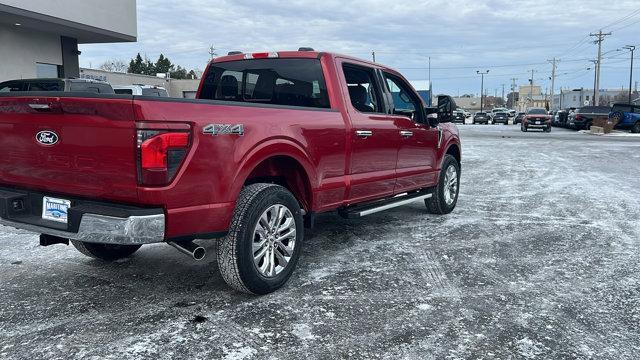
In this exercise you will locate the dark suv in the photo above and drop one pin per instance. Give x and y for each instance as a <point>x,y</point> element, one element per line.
<point>67,85</point>
<point>501,117</point>
<point>481,118</point>
<point>626,116</point>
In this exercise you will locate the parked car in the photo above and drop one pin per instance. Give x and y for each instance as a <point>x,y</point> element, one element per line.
<point>626,117</point>
<point>511,113</point>
<point>248,165</point>
<point>536,118</point>
<point>458,116</point>
<point>141,90</point>
<point>582,118</point>
<point>481,118</point>
<point>65,85</point>
<point>519,117</point>
<point>501,117</point>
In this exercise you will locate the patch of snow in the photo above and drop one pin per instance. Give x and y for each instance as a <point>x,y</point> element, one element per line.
<point>303,332</point>
<point>425,307</point>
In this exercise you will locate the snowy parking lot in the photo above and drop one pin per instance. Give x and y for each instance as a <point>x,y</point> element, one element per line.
<point>541,259</point>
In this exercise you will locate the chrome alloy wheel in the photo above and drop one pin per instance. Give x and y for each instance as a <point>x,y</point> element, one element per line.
<point>274,240</point>
<point>450,185</point>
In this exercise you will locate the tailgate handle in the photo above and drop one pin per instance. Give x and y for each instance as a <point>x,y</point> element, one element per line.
<point>40,107</point>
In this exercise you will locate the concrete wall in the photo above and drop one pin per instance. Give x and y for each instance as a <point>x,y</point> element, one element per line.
<point>20,49</point>
<point>118,16</point>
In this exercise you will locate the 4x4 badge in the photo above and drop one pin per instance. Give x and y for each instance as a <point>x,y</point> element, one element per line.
<point>224,129</point>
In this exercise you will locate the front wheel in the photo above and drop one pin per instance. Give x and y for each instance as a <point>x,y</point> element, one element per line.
<point>445,196</point>
<point>105,252</point>
<point>264,242</point>
<point>636,128</point>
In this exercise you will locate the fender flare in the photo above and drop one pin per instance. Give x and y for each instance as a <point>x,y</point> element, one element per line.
<point>268,149</point>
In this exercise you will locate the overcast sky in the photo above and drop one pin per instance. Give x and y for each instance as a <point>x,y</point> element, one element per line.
<point>509,38</point>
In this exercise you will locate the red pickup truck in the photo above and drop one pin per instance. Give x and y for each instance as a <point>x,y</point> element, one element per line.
<point>272,140</point>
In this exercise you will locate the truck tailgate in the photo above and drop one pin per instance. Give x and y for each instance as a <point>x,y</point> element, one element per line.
<point>69,145</point>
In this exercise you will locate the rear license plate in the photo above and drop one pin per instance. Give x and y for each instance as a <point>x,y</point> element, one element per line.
<point>55,209</point>
<point>538,122</point>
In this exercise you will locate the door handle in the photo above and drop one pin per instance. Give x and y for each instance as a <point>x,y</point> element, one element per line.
<point>406,133</point>
<point>364,133</point>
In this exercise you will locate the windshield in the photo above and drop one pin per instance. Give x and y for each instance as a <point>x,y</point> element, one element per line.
<point>289,82</point>
<point>537,112</point>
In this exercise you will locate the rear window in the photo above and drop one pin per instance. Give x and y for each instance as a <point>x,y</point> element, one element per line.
<point>290,82</point>
<point>154,92</point>
<point>616,107</point>
<point>10,86</point>
<point>594,110</point>
<point>91,87</point>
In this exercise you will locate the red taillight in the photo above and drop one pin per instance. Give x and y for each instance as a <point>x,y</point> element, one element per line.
<point>160,155</point>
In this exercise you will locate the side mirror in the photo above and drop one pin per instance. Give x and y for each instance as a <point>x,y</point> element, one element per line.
<point>446,105</point>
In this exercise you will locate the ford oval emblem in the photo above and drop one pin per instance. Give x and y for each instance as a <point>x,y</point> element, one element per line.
<point>47,137</point>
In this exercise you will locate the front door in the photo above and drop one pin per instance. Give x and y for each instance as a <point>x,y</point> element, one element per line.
<point>416,166</point>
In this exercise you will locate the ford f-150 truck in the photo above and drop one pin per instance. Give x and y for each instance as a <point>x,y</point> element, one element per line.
<point>272,140</point>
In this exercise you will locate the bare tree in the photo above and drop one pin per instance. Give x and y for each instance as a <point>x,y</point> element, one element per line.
<point>114,65</point>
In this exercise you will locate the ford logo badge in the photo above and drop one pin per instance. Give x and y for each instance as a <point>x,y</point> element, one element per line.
<point>47,138</point>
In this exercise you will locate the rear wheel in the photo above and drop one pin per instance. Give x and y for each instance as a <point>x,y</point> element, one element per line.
<point>105,252</point>
<point>264,242</point>
<point>636,128</point>
<point>445,196</point>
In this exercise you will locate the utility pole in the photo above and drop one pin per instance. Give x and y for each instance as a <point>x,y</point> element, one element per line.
<point>502,92</point>
<point>373,55</point>
<point>553,79</point>
<point>212,52</point>
<point>531,87</point>
<point>482,74</point>
<point>595,80</point>
<point>513,91</point>
<point>632,49</point>
<point>599,39</point>
<point>430,87</point>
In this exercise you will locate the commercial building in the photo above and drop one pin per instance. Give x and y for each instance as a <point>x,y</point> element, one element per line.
<point>175,87</point>
<point>39,38</point>
<point>576,98</point>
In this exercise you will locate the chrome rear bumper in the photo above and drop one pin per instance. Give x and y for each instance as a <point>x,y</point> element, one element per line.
<point>94,228</point>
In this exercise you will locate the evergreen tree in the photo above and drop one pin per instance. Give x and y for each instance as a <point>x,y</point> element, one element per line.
<point>136,66</point>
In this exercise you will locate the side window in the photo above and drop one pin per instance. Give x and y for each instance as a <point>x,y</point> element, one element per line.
<point>405,102</point>
<point>362,89</point>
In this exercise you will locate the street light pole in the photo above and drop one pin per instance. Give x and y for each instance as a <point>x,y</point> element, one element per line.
<point>482,74</point>
<point>595,81</point>
<point>632,49</point>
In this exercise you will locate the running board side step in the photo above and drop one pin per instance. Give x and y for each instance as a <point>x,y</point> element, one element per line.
<point>357,211</point>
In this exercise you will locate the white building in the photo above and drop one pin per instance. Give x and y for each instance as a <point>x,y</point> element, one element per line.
<point>39,38</point>
<point>577,98</point>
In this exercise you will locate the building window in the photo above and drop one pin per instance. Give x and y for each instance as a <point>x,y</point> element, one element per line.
<point>587,98</point>
<point>48,70</point>
<point>574,98</point>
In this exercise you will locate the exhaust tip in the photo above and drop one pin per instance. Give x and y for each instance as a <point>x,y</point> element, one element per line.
<point>199,253</point>
<point>189,248</point>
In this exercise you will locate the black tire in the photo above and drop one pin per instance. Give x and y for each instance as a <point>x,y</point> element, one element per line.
<point>235,251</point>
<point>437,203</point>
<point>105,252</point>
<point>617,117</point>
<point>636,128</point>
<point>547,129</point>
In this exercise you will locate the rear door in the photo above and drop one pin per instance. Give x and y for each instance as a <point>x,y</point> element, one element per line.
<point>416,164</point>
<point>63,145</point>
<point>374,136</point>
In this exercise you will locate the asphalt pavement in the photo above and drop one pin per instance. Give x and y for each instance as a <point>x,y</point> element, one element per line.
<point>540,260</point>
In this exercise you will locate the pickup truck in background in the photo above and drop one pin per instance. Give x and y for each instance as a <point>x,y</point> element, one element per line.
<point>66,85</point>
<point>626,117</point>
<point>272,140</point>
<point>583,118</point>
